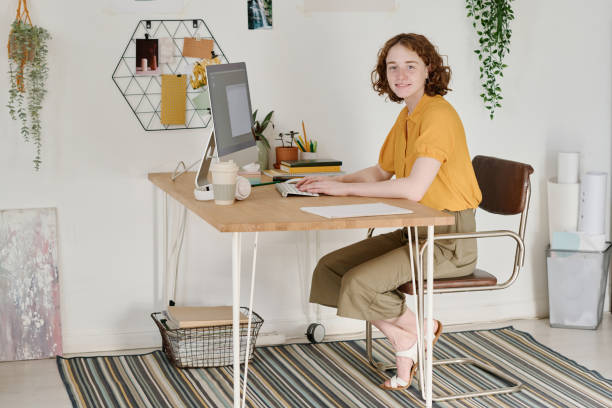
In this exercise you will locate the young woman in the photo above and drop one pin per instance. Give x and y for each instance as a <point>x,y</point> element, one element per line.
<point>427,152</point>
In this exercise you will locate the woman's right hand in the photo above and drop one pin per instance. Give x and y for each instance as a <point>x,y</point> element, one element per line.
<point>311,179</point>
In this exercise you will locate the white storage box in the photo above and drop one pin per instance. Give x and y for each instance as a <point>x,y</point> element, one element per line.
<point>576,287</point>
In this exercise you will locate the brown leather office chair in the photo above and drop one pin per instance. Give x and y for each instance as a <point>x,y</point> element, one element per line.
<point>505,190</point>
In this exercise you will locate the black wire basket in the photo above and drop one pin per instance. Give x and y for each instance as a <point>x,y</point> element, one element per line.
<point>209,346</point>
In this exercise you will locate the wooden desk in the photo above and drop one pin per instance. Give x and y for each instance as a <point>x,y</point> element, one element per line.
<point>266,210</point>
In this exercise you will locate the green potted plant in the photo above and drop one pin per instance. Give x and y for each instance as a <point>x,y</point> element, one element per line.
<point>27,52</point>
<point>263,146</point>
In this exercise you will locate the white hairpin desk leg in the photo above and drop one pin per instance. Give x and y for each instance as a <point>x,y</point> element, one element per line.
<point>236,252</point>
<point>248,341</point>
<point>166,287</point>
<point>429,328</point>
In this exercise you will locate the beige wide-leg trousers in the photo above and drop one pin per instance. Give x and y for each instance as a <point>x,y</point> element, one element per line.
<point>361,280</point>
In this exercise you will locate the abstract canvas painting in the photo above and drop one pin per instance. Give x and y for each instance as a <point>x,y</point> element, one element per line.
<point>29,286</point>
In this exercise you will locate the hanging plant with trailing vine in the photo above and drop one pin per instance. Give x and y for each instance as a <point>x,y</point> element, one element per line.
<point>28,70</point>
<point>491,19</point>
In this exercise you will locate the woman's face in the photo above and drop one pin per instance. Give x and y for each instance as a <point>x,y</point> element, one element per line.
<point>406,73</point>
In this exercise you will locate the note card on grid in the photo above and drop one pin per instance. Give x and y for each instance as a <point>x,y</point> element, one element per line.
<point>173,99</point>
<point>355,210</point>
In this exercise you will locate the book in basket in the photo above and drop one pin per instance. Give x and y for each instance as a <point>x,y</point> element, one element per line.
<point>186,317</point>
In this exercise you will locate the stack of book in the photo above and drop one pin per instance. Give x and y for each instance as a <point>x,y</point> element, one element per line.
<point>329,167</point>
<point>187,317</point>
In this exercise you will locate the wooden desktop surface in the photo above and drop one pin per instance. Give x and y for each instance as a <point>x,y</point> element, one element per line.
<point>266,210</point>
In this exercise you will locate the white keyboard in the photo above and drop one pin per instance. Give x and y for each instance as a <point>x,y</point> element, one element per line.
<point>290,189</point>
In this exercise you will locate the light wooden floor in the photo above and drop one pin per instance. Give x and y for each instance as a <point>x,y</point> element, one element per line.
<point>29,384</point>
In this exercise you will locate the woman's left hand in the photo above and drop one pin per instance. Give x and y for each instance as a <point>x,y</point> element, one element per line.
<point>329,187</point>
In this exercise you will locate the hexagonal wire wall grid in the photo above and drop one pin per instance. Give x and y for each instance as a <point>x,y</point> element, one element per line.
<point>143,92</point>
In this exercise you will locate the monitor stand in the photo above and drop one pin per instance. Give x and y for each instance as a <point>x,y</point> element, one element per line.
<point>203,187</point>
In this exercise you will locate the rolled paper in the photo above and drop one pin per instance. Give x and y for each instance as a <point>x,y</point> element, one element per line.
<point>243,188</point>
<point>592,218</point>
<point>562,207</point>
<point>567,167</point>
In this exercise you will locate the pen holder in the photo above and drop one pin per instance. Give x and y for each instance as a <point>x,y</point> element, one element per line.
<point>285,153</point>
<point>309,155</point>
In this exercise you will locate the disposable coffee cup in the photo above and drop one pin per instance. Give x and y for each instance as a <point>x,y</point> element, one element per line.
<point>224,181</point>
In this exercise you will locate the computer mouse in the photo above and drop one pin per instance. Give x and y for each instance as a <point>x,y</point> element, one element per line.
<point>293,180</point>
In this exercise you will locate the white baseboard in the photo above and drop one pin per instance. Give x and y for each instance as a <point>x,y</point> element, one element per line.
<point>92,341</point>
<point>287,330</point>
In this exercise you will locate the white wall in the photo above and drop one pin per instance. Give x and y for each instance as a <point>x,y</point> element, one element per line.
<point>313,67</point>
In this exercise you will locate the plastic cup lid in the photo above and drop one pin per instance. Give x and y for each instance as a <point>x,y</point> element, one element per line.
<point>228,166</point>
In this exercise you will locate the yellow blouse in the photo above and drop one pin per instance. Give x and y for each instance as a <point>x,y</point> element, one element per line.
<point>434,130</point>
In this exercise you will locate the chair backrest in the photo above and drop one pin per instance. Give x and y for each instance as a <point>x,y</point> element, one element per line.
<point>504,184</point>
<point>505,190</point>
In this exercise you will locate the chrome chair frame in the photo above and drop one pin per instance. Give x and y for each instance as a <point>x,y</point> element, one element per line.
<point>519,259</point>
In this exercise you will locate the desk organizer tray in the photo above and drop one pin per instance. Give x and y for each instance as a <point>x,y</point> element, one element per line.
<point>209,346</point>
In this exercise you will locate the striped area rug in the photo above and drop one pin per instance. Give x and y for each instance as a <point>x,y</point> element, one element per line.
<point>335,374</point>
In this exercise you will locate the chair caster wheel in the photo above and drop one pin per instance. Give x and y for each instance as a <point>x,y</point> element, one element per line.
<point>315,333</point>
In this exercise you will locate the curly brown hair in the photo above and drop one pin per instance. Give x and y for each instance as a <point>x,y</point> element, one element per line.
<point>439,74</point>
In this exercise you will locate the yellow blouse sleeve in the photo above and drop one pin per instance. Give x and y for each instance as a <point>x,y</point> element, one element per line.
<point>437,136</point>
<point>385,157</point>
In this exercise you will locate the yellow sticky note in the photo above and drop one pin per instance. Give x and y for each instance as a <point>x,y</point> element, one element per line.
<point>173,99</point>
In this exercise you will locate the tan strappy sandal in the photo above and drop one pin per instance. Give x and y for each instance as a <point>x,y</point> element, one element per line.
<point>397,383</point>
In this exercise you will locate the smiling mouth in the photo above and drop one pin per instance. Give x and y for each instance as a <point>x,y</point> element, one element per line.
<point>402,85</point>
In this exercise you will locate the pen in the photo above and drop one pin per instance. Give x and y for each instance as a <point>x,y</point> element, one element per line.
<point>305,138</point>
<point>297,142</point>
<point>285,178</point>
<point>266,183</point>
<point>303,142</point>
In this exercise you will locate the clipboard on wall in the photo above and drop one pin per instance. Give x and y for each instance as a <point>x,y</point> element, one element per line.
<point>173,99</point>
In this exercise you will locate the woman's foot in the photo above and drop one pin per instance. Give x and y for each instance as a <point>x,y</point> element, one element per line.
<point>402,341</point>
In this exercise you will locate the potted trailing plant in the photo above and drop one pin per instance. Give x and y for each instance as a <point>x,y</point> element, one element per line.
<point>27,52</point>
<point>263,146</point>
<point>491,19</point>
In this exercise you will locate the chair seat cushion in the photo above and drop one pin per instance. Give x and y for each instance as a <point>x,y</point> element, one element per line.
<point>476,279</point>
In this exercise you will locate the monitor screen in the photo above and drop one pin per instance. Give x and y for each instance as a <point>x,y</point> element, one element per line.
<point>230,103</point>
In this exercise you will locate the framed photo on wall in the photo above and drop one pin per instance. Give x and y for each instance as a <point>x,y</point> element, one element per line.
<point>259,14</point>
<point>147,56</point>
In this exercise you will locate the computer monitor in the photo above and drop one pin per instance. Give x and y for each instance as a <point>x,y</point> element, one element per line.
<point>230,103</point>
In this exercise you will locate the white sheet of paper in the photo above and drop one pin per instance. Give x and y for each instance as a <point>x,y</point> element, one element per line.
<point>355,210</point>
